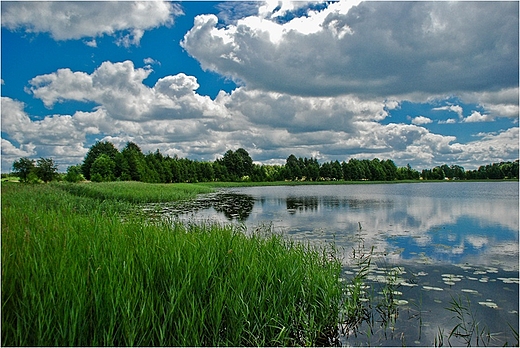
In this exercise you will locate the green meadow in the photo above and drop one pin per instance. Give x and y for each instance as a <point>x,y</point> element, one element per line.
<point>74,273</point>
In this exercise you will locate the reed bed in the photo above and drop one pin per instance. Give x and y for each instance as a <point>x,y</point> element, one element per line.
<point>75,274</point>
<point>136,192</point>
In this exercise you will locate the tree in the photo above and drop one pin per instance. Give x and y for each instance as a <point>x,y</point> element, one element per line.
<point>23,167</point>
<point>245,160</point>
<point>134,168</point>
<point>46,169</point>
<point>292,168</point>
<point>74,174</point>
<point>238,164</point>
<point>390,169</point>
<point>458,172</point>
<point>102,169</point>
<point>99,148</point>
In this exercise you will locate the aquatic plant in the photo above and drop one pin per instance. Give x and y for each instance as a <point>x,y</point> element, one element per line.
<point>135,192</point>
<point>75,274</point>
<point>467,329</point>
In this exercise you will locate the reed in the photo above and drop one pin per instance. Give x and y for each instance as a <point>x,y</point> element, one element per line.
<point>75,274</point>
<point>135,192</point>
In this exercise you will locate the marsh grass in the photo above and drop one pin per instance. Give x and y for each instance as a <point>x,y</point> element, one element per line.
<point>467,330</point>
<point>135,192</point>
<point>74,274</point>
<point>369,310</point>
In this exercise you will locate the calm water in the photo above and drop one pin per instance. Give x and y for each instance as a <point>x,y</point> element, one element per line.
<point>450,240</point>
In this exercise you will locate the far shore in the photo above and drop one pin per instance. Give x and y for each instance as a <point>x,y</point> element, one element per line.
<point>337,182</point>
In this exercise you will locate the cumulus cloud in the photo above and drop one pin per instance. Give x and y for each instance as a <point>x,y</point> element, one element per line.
<point>65,20</point>
<point>55,135</point>
<point>119,88</point>
<point>453,108</point>
<point>421,120</point>
<point>299,114</point>
<point>173,117</point>
<point>478,117</point>
<point>414,47</point>
<point>501,103</point>
<point>448,121</point>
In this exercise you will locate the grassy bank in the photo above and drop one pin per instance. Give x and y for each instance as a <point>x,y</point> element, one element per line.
<point>74,274</point>
<point>135,192</point>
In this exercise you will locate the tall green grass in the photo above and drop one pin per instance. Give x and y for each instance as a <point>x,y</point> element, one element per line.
<point>136,192</point>
<point>74,274</point>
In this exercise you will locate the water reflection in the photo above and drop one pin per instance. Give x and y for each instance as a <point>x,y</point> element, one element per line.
<point>234,206</point>
<point>428,222</point>
<point>452,239</point>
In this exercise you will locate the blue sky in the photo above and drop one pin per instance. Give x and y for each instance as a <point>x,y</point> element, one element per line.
<point>424,83</point>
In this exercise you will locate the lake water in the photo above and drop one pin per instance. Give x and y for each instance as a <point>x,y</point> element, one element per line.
<point>452,240</point>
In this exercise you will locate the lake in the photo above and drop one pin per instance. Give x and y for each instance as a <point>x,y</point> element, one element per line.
<point>453,242</point>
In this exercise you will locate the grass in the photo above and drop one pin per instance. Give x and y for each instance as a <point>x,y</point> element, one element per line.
<point>136,192</point>
<point>74,274</point>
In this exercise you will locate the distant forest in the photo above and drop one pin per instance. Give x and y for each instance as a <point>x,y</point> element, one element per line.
<point>104,162</point>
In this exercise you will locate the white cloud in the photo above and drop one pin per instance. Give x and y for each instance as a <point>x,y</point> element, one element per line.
<point>419,120</point>
<point>8,149</point>
<point>150,61</point>
<point>91,43</point>
<point>415,47</point>
<point>501,103</point>
<point>302,114</point>
<point>66,20</point>
<point>173,117</point>
<point>503,146</point>
<point>477,117</point>
<point>119,88</point>
<point>448,121</point>
<point>453,108</point>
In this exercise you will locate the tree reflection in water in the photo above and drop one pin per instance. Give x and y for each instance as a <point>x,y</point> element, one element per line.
<point>234,206</point>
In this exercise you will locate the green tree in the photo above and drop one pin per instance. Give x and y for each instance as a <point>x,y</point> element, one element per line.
<point>23,167</point>
<point>99,148</point>
<point>238,164</point>
<point>438,174</point>
<point>458,172</point>
<point>390,169</point>
<point>292,168</point>
<point>135,167</point>
<point>102,169</point>
<point>74,174</point>
<point>46,169</point>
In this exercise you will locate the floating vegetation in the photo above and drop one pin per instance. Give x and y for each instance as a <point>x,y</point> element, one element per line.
<point>488,303</point>
<point>427,288</point>
<point>451,279</point>
<point>509,280</point>
<point>470,291</point>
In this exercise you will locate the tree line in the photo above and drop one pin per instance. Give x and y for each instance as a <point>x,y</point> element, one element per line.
<point>104,162</point>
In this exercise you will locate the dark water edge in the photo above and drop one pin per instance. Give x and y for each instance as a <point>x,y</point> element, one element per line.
<point>425,293</point>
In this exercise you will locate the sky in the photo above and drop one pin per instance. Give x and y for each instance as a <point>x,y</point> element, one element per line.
<point>420,83</point>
